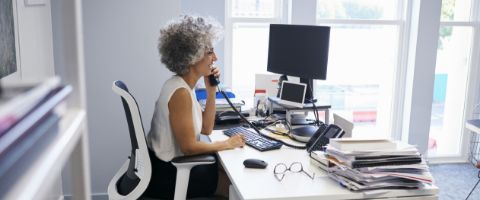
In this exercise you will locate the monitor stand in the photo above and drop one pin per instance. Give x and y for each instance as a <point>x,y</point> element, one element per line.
<point>304,133</point>
<point>304,130</point>
<point>309,91</point>
<point>299,119</point>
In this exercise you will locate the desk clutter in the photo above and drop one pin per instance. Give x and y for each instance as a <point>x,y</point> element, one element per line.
<point>363,164</point>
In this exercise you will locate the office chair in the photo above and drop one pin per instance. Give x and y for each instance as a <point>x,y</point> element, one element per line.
<point>132,179</point>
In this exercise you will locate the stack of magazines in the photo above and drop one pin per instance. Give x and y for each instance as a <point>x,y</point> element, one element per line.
<point>29,118</point>
<point>365,164</point>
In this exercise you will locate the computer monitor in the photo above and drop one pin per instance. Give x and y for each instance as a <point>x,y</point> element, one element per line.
<point>299,50</point>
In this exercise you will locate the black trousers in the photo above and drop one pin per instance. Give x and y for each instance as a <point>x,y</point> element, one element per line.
<point>202,183</point>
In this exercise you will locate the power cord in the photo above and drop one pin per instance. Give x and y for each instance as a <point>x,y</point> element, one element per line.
<point>315,110</point>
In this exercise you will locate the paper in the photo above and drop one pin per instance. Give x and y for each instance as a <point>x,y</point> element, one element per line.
<point>365,170</point>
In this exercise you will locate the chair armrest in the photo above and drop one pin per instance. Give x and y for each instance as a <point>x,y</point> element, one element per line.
<point>184,164</point>
<point>204,138</point>
<point>194,160</point>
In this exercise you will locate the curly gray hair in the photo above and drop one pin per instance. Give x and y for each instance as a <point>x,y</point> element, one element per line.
<point>184,41</point>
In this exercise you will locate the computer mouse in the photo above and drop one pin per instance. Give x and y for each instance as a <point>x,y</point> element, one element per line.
<point>255,163</point>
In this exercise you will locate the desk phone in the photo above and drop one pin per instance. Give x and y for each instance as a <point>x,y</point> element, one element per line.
<point>322,137</point>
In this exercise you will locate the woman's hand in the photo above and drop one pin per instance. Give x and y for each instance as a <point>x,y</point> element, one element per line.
<point>216,72</point>
<point>235,141</point>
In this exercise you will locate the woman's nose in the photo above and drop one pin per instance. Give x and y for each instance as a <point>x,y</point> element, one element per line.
<point>215,57</point>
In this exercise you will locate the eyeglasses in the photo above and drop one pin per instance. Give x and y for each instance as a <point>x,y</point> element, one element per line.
<point>281,168</point>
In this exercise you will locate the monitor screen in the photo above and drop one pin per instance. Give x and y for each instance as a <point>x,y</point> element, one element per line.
<point>293,92</point>
<point>299,50</point>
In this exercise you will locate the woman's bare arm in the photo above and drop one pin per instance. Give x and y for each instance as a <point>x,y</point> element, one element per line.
<point>208,115</point>
<point>180,109</point>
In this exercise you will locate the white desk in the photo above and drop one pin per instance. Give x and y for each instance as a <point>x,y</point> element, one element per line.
<point>261,184</point>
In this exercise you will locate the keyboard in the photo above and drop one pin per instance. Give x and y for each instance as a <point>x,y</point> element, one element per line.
<point>253,139</point>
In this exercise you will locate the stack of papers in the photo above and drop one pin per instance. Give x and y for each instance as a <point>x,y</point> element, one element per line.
<point>393,166</point>
<point>350,144</point>
<point>222,104</point>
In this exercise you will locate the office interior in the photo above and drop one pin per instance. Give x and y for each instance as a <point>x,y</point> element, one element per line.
<point>90,44</point>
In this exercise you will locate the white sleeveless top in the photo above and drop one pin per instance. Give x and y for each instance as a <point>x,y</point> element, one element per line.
<point>161,138</point>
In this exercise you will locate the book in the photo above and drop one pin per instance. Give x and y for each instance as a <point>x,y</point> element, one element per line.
<point>318,164</point>
<point>43,129</point>
<point>351,144</point>
<point>383,162</point>
<point>319,157</point>
<point>17,102</point>
<point>21,128</point>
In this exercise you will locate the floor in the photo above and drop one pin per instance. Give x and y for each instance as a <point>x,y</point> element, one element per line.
<point>456,180</point>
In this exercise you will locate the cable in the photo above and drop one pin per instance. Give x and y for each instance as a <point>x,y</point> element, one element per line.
<point>278,132</point>
<point>253,127</point>
<point>315,110</point>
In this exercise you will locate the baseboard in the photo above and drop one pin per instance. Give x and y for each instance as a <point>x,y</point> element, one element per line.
<point>97,196</point>
<point>100,196</point>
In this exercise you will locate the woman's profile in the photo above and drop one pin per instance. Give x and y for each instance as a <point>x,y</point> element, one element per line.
<point>186,49</point>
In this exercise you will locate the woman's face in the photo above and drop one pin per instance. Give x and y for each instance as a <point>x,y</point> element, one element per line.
<point>204,66</point>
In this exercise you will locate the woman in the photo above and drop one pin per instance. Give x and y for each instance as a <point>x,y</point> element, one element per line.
<point>186,49</point>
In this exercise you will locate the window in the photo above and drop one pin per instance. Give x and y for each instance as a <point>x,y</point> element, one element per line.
<point>357,9</point>
<point>364,59</point>
<point>451,78</point>
<point>249,22</point>
<point>362,86</point>
<point>365,44</point>
<point>367,61</point>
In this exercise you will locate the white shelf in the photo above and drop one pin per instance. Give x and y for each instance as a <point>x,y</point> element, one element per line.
<point>33,183</point>
<point>473,125</point>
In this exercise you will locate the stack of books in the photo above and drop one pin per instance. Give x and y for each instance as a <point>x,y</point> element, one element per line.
<point>368,164</point>
<point>29,117</point>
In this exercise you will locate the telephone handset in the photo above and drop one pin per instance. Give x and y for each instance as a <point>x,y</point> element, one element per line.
<point>322,137</point>
<point>213,80</point>
<point>316,135</point>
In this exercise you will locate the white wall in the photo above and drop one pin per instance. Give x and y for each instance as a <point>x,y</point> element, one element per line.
<point>120,44</point>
